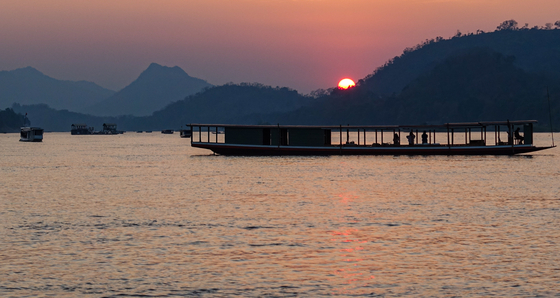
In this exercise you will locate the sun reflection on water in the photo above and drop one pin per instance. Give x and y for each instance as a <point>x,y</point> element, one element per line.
<point>356,276</point>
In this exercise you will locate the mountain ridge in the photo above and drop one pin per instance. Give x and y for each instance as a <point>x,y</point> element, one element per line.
<point>155,88</point>
<point>30,86</point>
<point>536,51</point>
<point>478,85</point>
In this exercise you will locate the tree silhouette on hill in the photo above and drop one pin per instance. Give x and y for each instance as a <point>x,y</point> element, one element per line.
<point>535,50</point>
<point>507,25</point>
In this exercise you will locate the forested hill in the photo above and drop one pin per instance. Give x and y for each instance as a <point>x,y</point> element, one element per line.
<point>536,50</point>
<point>230,103</point>
<point>478,85</point>
<point>10,121</point>
<point>471,77</point>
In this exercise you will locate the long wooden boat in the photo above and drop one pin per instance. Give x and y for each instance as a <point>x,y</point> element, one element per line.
<point>472,138</point>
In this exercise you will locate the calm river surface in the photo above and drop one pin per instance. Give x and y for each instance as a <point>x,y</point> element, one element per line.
<point>147,215</point>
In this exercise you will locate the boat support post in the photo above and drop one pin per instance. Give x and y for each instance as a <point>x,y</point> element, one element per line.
<point>340,139</point>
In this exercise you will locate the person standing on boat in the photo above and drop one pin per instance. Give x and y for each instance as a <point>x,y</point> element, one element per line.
<point>518,136</point>
<point>424,138</point>
<point>396,139</point>
<point>410,138</point>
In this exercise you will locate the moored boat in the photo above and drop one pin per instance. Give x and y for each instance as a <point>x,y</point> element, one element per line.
<point>31,134</point>
<point>185,133</point>
<point>472,138</point>
<point>110,129</point>
<point>81,129</point>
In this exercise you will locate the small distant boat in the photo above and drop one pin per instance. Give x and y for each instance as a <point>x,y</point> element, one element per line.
<point>148,131</point>
<point>81,129</point>
<point>186,133</point>
<point>167,131</point>
<point>31,134</point>
<point>110,129</point>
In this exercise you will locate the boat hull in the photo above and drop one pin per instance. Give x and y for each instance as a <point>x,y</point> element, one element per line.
<point>255,150</point>
<point>80,132</point>
<point>31,140</point>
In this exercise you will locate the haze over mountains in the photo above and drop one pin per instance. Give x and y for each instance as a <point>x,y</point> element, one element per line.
<point>476,77</point>
<point>155,88</point>
<point>30,86</point>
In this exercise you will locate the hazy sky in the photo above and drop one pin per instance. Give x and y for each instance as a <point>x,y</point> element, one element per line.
<point>301,44</point>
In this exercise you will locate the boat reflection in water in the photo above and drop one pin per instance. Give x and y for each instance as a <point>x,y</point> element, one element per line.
<point>472,138</point>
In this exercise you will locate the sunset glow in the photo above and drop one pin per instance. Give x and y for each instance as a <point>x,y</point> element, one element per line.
<point>346,83</point>
<point>298,44</point>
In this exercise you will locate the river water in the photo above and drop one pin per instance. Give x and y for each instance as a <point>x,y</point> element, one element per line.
<point>147,215</point>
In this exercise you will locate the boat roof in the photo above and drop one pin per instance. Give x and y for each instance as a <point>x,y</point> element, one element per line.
<point>445,125</point>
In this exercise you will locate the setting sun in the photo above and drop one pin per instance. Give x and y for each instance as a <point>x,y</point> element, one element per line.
<point>346,83</point>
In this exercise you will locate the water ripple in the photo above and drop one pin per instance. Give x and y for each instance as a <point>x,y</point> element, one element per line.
<point>147,216</point>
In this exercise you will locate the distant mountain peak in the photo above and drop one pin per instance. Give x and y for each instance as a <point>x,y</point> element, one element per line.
<point>29,68</point>
<point>156,87</point>
<point>154,66</point>
<point>158,70</point>
<point>24,71</point>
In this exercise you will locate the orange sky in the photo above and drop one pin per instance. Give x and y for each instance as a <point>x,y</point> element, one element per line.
<point>301,44</point>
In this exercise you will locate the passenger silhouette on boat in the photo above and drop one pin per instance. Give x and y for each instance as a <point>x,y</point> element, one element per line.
<point>424,138</point>
<point>396,139</point>
<point>411,137</point>
<point>518,136</point>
